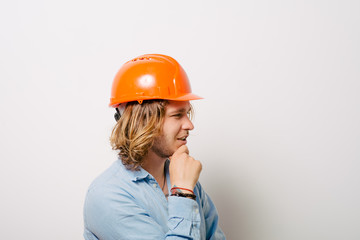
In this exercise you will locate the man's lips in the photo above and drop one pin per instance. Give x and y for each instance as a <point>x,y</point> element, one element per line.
<point>183,138</point>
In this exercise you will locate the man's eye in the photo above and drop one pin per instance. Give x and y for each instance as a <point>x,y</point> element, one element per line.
<point>177,115</point>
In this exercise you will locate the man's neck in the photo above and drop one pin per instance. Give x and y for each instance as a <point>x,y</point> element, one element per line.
<point>154,165</point>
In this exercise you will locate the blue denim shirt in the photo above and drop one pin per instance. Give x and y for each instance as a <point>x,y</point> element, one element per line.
<point>123,204</point>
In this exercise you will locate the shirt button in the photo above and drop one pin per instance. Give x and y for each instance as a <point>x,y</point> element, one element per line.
<point>196,210</point>
<point>154,185</point>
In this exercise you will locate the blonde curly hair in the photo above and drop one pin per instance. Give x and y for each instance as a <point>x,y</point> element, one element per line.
<point>134,133</point>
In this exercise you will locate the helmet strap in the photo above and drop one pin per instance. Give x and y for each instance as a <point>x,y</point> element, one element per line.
<point>119,111</point>
<point>117,115</point>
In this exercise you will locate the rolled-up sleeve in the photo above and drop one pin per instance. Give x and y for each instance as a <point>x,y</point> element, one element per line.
<point>184,218</point>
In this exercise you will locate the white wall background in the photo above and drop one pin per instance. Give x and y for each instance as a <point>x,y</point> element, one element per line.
<point>278,132</point>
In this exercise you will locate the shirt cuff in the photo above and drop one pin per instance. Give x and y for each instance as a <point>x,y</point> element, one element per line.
<point>184,216</point>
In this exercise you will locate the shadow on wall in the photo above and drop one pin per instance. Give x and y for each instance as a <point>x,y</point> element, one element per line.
<point>234,204</point>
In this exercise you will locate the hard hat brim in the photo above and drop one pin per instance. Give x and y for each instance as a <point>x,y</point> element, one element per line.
<point>185,97</point>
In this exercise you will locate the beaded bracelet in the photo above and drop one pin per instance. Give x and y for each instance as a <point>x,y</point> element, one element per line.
<point>186,195</point>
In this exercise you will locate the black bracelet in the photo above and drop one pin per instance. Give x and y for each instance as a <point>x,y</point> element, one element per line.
<point>181,194</point>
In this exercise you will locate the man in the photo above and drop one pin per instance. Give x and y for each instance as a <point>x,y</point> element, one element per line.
<point>152,190</point>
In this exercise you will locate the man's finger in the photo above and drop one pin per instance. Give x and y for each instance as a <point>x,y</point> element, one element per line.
<point>183,148</point>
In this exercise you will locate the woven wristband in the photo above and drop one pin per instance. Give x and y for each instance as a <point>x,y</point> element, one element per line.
<point>186,195</point>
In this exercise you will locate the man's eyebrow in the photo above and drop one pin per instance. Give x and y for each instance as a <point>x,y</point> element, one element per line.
<point>181,110</point>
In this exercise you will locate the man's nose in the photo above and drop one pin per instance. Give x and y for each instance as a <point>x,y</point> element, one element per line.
<point>188,125</point>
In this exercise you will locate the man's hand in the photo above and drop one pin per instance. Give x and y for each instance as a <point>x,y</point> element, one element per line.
<point>184,170</point>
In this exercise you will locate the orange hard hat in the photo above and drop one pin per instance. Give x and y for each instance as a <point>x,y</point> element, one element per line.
<point>151,76</point>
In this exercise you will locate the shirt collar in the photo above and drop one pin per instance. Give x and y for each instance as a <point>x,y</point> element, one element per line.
<point>142,173</point>
<point>138,175</point>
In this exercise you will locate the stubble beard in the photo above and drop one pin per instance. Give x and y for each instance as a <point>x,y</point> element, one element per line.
<point>160,148</point>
